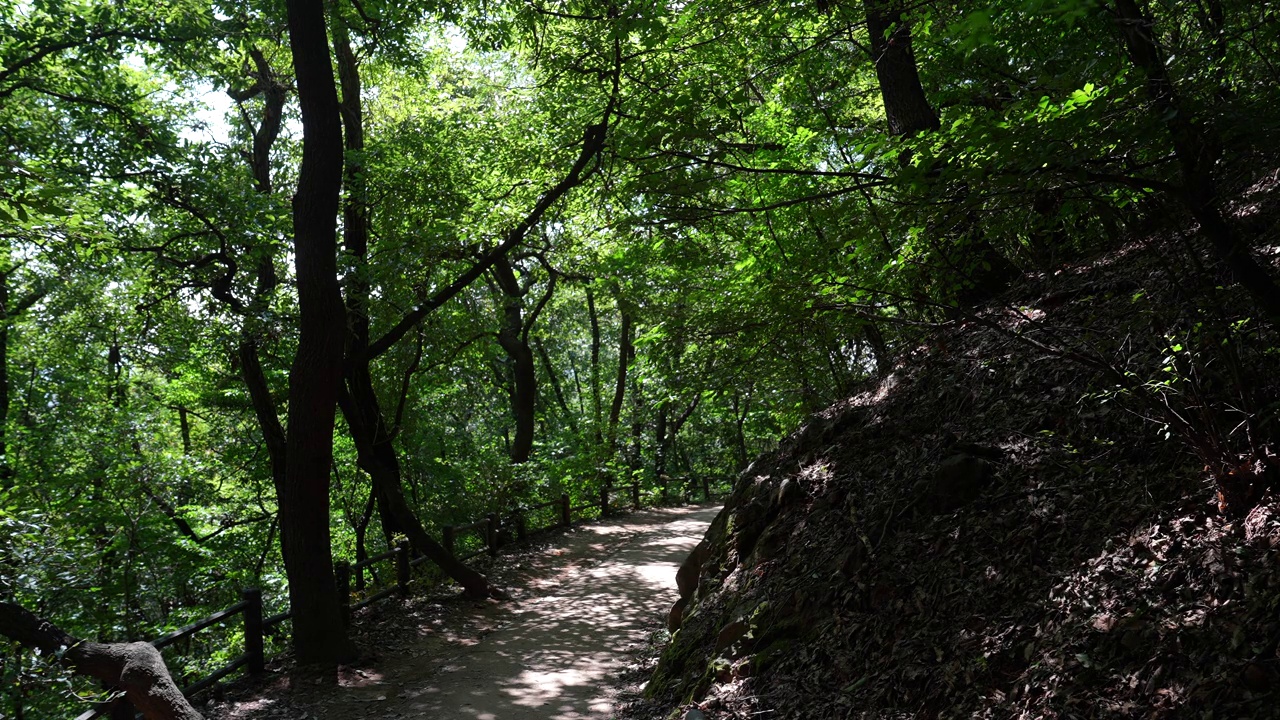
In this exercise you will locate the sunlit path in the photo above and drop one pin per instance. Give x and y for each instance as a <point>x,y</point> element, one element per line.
<point>551,651</point>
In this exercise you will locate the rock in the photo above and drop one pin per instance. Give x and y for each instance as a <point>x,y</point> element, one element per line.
<point>690,569</point>
<point>772,543</point>
<point>788,492</point>
<point>695,714</point>
<point>730,634</point>
<point>676,616</point>
<point>1257,677</point>
<point>749,522</point>
<point>1262,526</point>
<point>958,481</point>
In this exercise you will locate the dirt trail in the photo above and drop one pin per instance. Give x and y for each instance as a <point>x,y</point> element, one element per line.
<point>579,607</point>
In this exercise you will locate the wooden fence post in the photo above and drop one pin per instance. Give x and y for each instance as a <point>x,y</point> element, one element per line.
<point>706,487</point>
<point>491,530</point>
<point>342,573</point>
<point>402,566</point>
<point>448,538</point>
<point>635,496</point>
<point>604,501</point>
<point>565,510</point>
<point>253,629</point>
<point>522,532</point>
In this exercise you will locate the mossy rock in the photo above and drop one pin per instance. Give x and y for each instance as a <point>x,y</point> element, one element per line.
<point>771,653</point>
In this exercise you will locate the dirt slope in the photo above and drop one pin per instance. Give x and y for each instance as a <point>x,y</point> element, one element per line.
<point>996,531</point>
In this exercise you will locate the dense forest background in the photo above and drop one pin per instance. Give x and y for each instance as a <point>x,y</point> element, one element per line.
<point>575,244</point>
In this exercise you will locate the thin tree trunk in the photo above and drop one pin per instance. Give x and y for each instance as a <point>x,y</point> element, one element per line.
<point>739,420</point>
<point>319,634</point>
<point>637,413</point>
<point>626,336</point>
<point>361,529</point>
<point>375,450</point>
<point>377,457</point>
<point>595,365</point>
<point>1196,154</point>
<point>550,370</point>
<point>660,440</point>
<point>512,338</point>
<point>184,426</point>
<point>6,469</point>
<point>274,93</point>
<point>264,409</point>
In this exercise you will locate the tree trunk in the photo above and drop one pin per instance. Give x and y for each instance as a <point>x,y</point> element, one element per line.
<point>375,451</point>
<point>908,112</point>
<point>637,413</point>
<point>264,408</point>
<point>377,456</point>
<point>6,469</point>
<point>740,408</point>
<point>511,337</point>
<point>1196,152</point>
<point>906,107</point>
<point>274,93</point>
<point>137,668</point>
<point>319,634</point>
<point>879,348</point>
<point>595,364</point>
<point>626,338</point>
<point>660,440</point>
<point>550,370</point>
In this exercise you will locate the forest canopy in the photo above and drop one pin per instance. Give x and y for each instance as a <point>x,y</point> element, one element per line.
<point>334,274</point>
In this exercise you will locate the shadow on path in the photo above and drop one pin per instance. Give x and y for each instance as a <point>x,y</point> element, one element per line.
<point>549,654</point>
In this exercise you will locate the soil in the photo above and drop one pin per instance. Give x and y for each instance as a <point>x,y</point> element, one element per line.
<point>583,604</point>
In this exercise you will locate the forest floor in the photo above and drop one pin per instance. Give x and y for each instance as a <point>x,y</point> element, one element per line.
<point>584,606</point>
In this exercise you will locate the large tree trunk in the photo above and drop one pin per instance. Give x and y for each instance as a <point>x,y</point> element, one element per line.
<point>136,668</point>
<point>905,105</point>
<point>1194,149</point>
<point>319,633</point>
<point>908,112</point>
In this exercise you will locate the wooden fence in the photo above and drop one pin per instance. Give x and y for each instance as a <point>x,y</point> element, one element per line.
<point>492,527</point>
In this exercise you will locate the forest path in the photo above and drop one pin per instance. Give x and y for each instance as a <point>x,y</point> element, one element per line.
<point>581,605</point>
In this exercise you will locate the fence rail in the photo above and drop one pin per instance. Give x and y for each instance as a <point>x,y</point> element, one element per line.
<point>250,606</point>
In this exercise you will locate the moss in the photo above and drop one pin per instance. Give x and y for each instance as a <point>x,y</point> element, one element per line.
<point>770,654</point>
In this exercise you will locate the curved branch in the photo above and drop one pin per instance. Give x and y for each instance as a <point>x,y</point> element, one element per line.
<point>137,667</point>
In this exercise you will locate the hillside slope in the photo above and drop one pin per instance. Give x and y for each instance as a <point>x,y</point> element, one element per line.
<point>999,530</point>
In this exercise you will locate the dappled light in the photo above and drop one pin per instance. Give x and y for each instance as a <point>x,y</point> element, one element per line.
<point>552,653</point>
